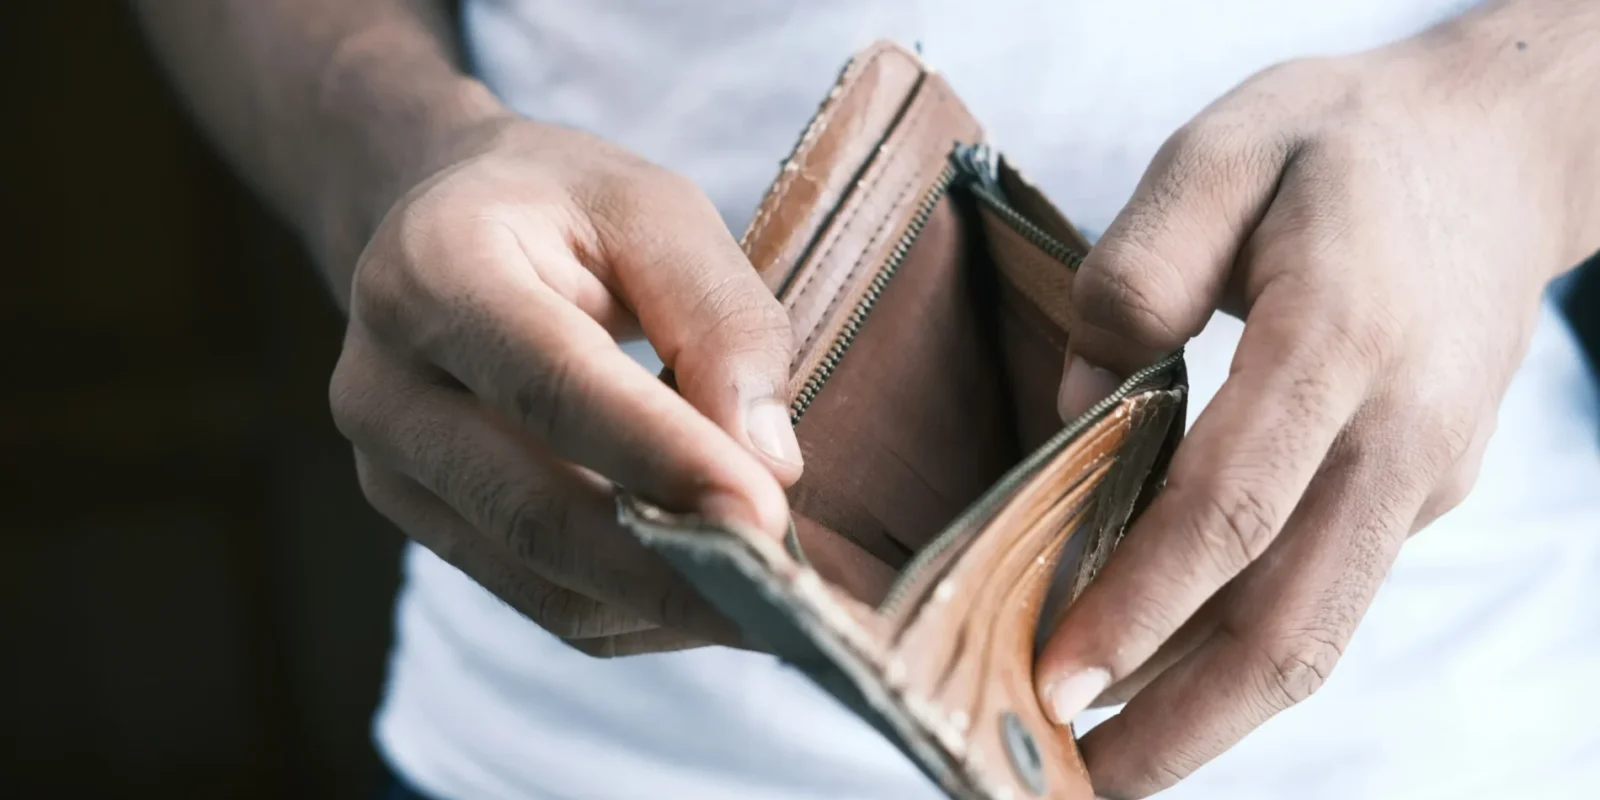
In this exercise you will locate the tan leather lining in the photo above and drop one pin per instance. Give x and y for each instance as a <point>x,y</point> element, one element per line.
<point>1041,278</point>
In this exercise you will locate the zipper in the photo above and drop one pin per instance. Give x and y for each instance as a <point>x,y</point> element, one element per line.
<point>980,165</point>
<point>880,280</point>
<point>987,506</point>
<point>977,167</point>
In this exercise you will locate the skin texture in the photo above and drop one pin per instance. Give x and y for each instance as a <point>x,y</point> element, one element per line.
<point>1384,222</point>
<point>487,262</point>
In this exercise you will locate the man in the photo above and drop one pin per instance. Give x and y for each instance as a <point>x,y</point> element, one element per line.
<point>1384,209</point>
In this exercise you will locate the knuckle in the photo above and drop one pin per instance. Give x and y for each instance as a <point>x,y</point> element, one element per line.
<point>737,316</point>
<point>533,525</point>
<point>564,614</point>
<point>1296,667</point>
<point>672,187</point>
<point>1452,492</point>
<point>347,399</point>
<point>738,308</point>
<point>1436,438</point>
<point>385,279</point>
<point>1454,438</point>
<point>374,487</point>
<point>1352,328</point>
<point>375,297</point>
<point>678,606</point>
<point>1128,291</point>
<point>1201,148</point>
<point>634,188</point>
<point>1223,146</point>
<point>1455,457</point>
<point>603,647</point>
<point>1167,771</point>
<point>1236,525</point>
<point>547,402</point>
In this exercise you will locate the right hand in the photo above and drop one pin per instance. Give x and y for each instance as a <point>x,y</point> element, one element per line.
<point>491,408</point>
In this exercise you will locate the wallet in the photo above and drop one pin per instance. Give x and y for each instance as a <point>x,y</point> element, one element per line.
<point>928,284</point>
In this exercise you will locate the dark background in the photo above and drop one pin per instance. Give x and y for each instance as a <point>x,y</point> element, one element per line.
<point>194,598</point>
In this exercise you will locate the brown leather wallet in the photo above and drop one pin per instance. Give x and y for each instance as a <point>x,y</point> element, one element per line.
<point>928,283</point>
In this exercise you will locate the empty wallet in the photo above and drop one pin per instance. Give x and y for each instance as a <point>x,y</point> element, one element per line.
<point>928,286</point>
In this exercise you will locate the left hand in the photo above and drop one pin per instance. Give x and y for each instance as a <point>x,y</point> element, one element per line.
<point>1385,224</point>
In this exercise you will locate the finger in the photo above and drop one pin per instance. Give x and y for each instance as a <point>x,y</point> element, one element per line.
<point>1159,272</point>
<point>576,284</point>
<point>1460,478</point>
<point>657,640</point>
<point>556,520</point>
<point>432,523</point>
<point>1231,486</point>
<point>713,321</point>
<point>1195,632</point>
<point>486,318</point>
<point>1283,629</point>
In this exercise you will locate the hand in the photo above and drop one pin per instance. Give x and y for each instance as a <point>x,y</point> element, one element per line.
<point>491,408</point>
<point>1384,224</point>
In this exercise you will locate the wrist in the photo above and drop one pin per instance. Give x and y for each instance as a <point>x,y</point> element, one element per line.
<point>393,119</point>
<point>1526,72</point>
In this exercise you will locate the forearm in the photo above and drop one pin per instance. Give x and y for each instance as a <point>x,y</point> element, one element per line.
<point>1533,67</point>
<point>329,109</point>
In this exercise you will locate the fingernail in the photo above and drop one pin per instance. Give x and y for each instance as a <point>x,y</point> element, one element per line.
<point>1069,696</point>
<point>767,423</point>
<point>1082,385</point>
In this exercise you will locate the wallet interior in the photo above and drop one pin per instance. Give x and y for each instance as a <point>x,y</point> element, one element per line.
<point>943,497</point>
<point>942,378</point>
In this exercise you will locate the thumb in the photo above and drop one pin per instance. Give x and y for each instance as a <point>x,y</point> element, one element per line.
<point>709,316</point>
<point>1155,277</point>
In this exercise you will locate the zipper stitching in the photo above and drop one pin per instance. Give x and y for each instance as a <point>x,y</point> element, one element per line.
<point>997,495</point>
<point>880,280</point>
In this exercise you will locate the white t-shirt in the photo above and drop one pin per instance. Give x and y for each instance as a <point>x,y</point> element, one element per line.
<point>1475,672</point>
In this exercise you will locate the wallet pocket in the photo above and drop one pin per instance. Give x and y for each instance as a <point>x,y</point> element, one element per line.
<point>938,371</point>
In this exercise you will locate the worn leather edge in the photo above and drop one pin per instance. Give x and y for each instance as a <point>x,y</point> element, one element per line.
<point>840,140</point>
<point>1134,473</point>
<point>731,568</point>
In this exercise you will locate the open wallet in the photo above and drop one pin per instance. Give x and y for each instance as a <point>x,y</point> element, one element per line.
<point>928,286</point>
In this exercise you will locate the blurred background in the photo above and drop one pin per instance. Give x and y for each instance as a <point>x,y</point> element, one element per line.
<point>194,598</point>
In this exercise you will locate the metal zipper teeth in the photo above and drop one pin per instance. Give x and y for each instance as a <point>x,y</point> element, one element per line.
<point>980,165</point>
<point>1025,228</point>
<point>880,280</point>
<point>991,502</point>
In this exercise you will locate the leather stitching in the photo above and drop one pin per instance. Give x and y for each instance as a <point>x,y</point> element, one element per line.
<point>803,149</point>
<point>916,179</point>
<point>867,250</point>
